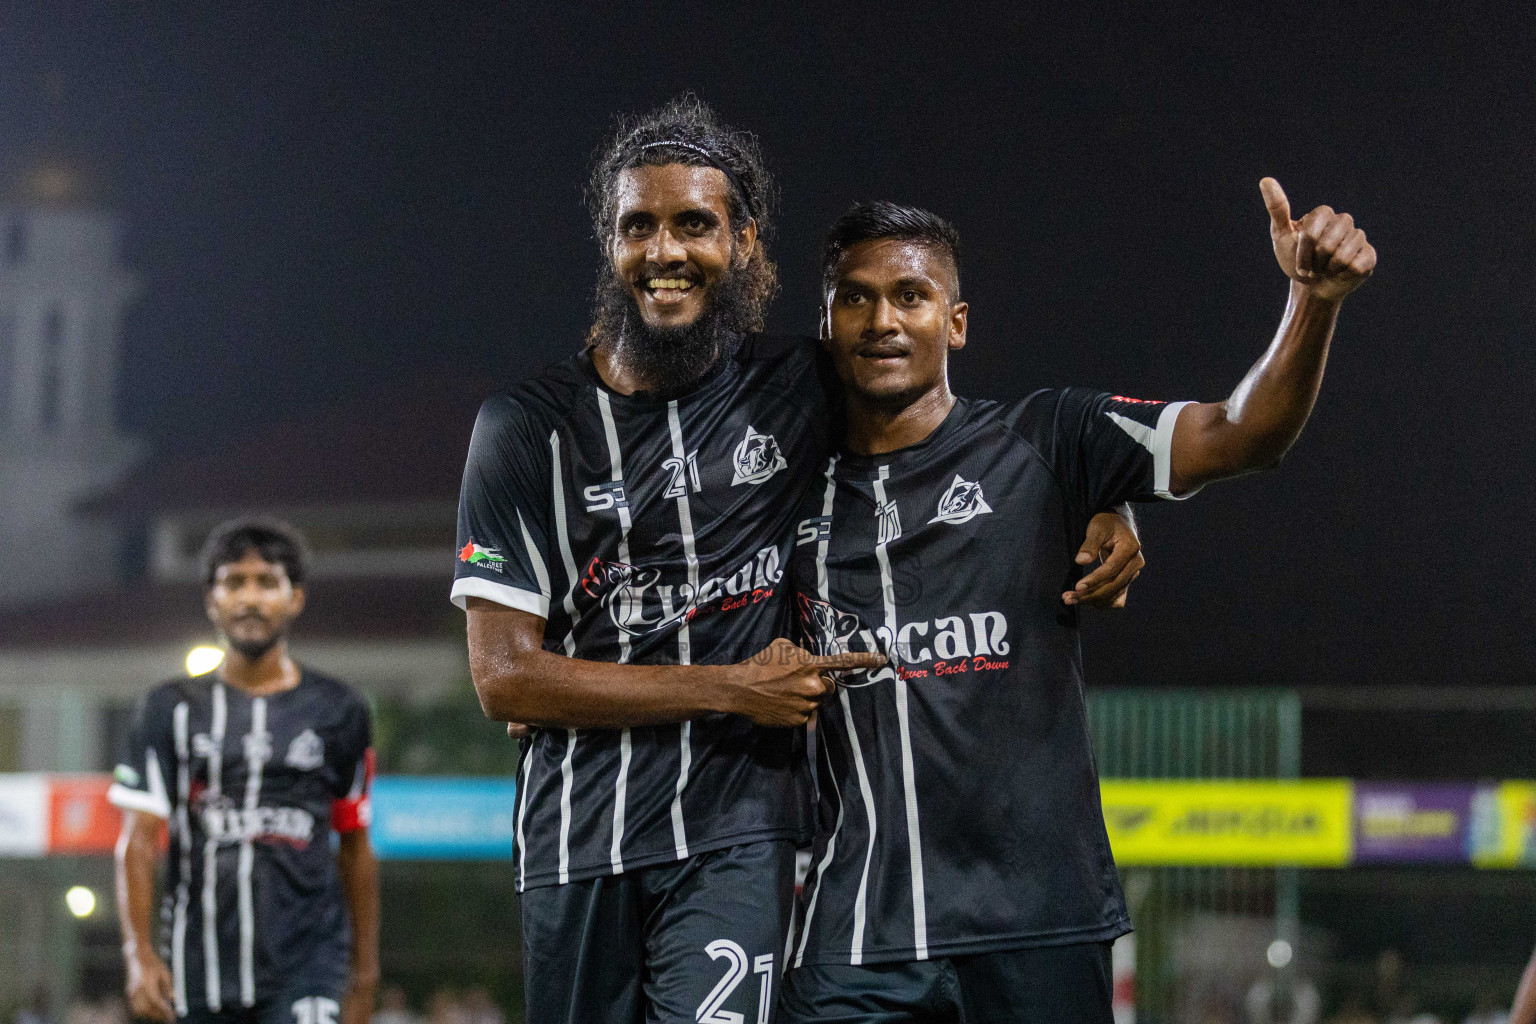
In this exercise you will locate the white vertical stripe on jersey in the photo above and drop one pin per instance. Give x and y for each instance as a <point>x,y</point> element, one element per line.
<point>565,806</point>
<point>684,643</point>
<point>823,590</point>
<point>211,852</point>
<point>908,775</point>
<point>562,532</point>
<point>620,791</point>
<point>621,784</point>
<point>867,793</point>
<point>184,834</point>
<point>563,535</point>
<point>535,559</point>
<point>257,743</point>
<point>616,461</point>
<point>821,870</point>
<point>522,809</point>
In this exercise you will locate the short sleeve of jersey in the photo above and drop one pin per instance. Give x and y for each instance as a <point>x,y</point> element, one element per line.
<point>351,757</point>
<point>1105,449</point>
<point>147,761</point>
<point>503,538</point>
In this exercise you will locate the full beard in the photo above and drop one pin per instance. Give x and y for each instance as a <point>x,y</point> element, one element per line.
<point>670,360</point>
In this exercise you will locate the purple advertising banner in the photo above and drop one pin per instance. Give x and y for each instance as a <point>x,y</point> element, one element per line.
<point>1413,823</point>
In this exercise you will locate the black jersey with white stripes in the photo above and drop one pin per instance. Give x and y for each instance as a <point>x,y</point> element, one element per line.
<point>252,788</point>
<point>959,805</point>
<point>648,531</point>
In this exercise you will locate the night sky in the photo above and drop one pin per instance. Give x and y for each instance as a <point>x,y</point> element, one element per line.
<point>322,202</point>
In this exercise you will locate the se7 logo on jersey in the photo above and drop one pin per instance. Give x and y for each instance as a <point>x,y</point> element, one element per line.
<point>756,459</point>
<point>605,496</point>
<point>961,503</point>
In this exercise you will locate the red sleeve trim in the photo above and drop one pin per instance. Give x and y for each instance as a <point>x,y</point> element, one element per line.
<point>355,810</point>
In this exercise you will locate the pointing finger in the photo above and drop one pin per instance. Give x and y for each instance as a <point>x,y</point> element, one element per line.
<point>1278,205</point>
<point>850,660</point>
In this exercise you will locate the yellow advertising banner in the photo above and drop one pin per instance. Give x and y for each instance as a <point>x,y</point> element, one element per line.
<point>1243,822</point>
<point>1504,826</point>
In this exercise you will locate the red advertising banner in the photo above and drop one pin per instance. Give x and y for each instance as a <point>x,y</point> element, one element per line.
<point>79,818</point>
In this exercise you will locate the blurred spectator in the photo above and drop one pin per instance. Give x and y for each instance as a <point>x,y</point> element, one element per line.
<point>394,1009</point>
<point>38,1010</point>
<point>477,1008</point>
<point>444,1008</point>
<point>1296,1002</point>
<point>1388,990</point>
<point>1354,1011</point>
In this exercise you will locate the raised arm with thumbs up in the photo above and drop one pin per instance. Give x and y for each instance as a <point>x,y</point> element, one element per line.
<point>1326,257</point>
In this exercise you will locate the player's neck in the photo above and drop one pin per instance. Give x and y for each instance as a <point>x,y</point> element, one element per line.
<point>615,373</point>
<point>875,427</point>
<point>623,377</point>
<point>271,673</point>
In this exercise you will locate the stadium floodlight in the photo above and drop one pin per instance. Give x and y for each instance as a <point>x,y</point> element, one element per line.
<point>203,659</point>
<point>80,901</point>
<point>1278,954</point>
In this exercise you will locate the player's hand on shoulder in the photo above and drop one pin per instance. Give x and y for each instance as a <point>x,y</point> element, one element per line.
<point>1324,251</point>
<point>1111,537</point>
<point>782,685</point>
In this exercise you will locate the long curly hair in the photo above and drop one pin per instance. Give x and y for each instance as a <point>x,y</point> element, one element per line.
<point>642,142</point>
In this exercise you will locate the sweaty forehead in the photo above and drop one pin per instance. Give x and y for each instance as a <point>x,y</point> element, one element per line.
<point>669,188</point>
<point>884,261</point>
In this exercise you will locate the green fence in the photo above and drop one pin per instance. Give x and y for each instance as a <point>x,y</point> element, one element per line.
<point>1196,734</point>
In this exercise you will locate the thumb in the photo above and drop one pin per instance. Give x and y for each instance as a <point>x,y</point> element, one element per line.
<point>1093,541</point>
<point>1278,205</point>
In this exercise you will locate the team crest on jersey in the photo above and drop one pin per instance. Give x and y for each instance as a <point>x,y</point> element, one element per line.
<point>961,503</point>
<point>306,752</point>
<point>621,588</point>
<point>757,458</point>
<point>829,630</point>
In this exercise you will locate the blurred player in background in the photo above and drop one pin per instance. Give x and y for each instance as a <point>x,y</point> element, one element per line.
<point>623,525</point>
<point>962,870</point>
<point>254,766</point>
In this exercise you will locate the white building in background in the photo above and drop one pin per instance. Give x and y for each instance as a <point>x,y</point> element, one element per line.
<point>63,291</point>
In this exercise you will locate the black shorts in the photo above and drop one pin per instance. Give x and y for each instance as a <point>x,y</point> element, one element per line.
<point>303,1001</point>
<point>1043,985</point>
<point>692,942</point>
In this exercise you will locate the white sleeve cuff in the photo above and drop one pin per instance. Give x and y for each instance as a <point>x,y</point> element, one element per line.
<point>1162,452</point>
<point>513,597</point>
<point>119,795</point>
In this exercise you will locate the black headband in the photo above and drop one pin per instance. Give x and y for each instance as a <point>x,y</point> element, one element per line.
<point>711,159</point>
